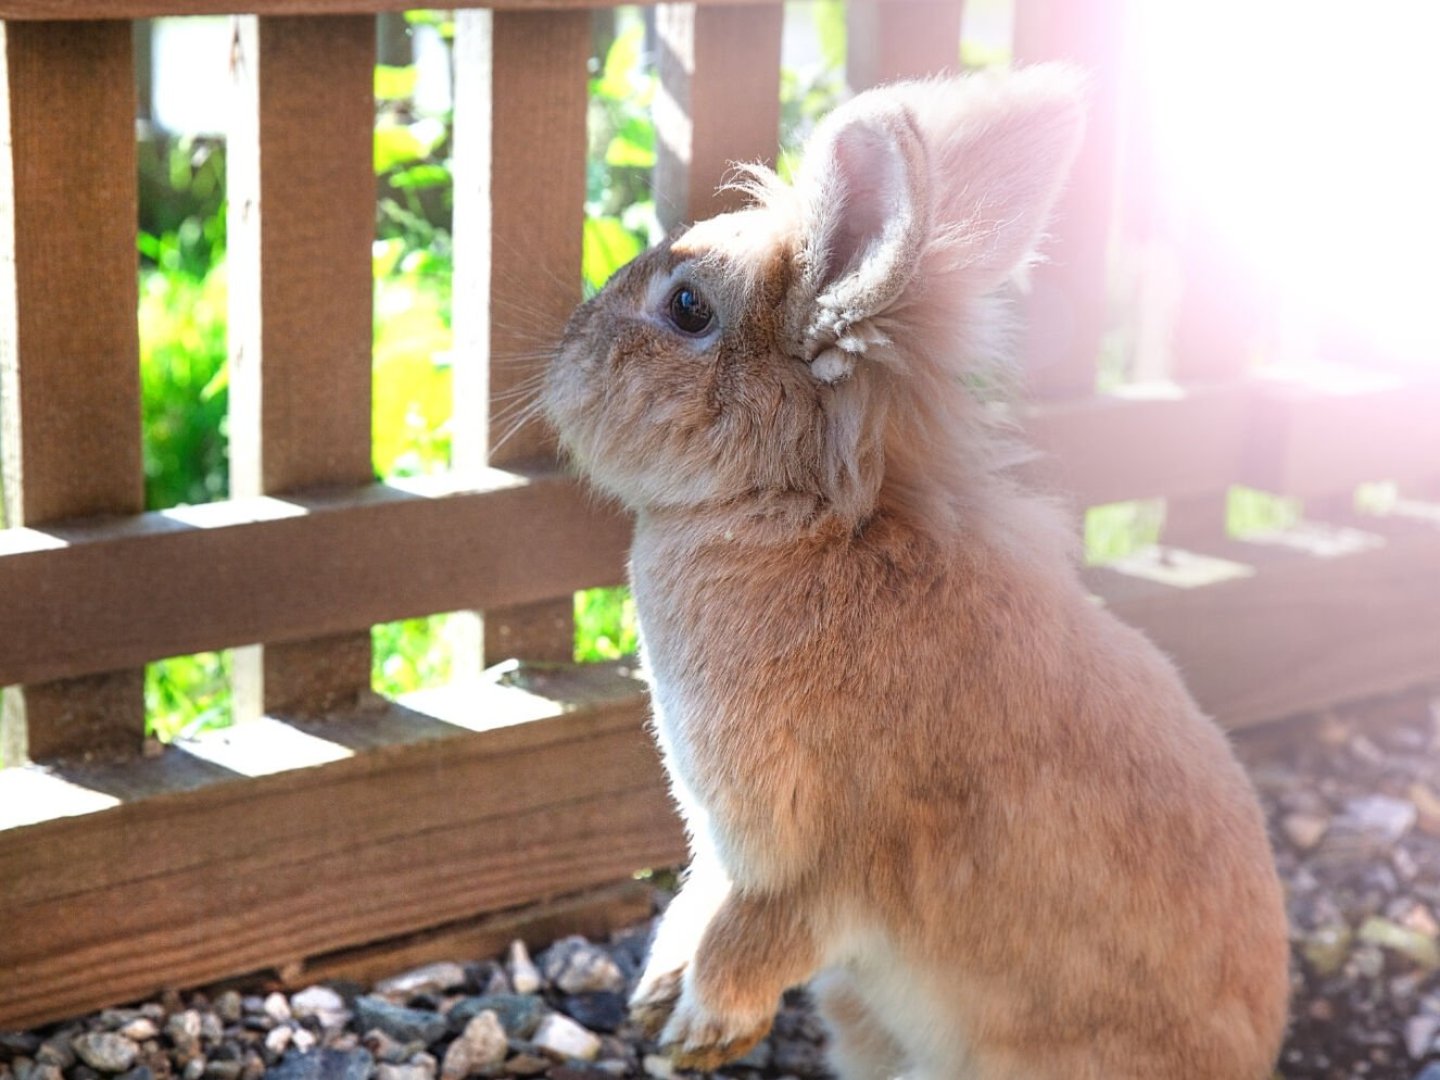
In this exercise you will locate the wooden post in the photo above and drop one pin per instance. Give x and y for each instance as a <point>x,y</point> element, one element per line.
<point>69,349</point>
<point>705,116</point>
<point>1066,307</point>
<point>302,222</point>
<point>520,103</point>
<point>900,39</point>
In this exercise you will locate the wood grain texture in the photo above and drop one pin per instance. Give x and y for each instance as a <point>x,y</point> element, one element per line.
<point>69,349</point>
<point>520,139</point>
<point>1314,442</point>
<point>1305,632</point>
<point>302,221</point>
<point>271,570</point>
<point>266,872</point>
<point>899,41</point>
<point>1065,309</point>
<point>595,914</point>
<point>143,9</point>
<point>709,113</point>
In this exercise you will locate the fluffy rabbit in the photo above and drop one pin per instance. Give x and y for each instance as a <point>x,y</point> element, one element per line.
<point>922,770</point>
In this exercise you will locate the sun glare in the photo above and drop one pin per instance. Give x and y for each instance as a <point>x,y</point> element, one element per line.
<point>1307,135</point>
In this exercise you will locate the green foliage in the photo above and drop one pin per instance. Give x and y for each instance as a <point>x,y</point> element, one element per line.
<point>183,386</point>
<point>409,654</point>
<point>1118,529</point>
<point>605,627</point>
<point>186,695</point>
<point>619,209</point>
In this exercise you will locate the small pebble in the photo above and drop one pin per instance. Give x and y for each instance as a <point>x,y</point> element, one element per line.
<point>658,1066</point>
<point>321,1002</point>
<point>482,1043</point>
<point>422,980</point>
<point>407,1025</point>
<point>277,1008</point>
<point>106,1051</point>
<point>575,966</point>
<point>562,1038</point>
<point>524,976</point>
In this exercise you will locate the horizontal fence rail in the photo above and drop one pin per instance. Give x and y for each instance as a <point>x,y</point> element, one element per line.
<point>334,818</point>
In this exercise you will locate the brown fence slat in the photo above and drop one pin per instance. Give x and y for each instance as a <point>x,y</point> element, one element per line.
<point>705,117</point>
<point>521,93</point>
<point>900,40</point>
<point>271,870</point>
<point>143,9</point>
<point>69,353</point>
<point>302,220</point>
<point>235,573</point>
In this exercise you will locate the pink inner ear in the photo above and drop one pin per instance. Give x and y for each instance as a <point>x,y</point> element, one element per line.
<point>871,183</point>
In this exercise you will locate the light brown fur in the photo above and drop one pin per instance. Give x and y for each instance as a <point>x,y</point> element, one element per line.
<point>920,766</point>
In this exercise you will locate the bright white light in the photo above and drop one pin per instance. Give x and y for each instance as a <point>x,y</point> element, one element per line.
<point>1307,133</point>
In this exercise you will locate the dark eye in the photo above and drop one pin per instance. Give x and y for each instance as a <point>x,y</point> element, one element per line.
<point>689,311</point>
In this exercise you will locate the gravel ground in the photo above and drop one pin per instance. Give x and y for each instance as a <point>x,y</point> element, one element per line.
<point>1353,800</point>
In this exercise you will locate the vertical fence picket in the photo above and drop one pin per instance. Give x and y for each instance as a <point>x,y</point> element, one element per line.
<point>302,222</point>
<point>68,336</point>
<point>705,116</point>
<point>520,104</point>
<point>1066,307</point>
<point>898,39</point>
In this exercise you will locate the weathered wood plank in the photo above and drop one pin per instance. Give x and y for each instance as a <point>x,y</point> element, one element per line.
<point>888,41</point>
<point>229,574</point>
<point>270,871</point>
<point>1065,309</point>
<point>302,221</point>
<point>69,349</point>
<point>521,99</point>
<point>1305,632</point>
<point>705,117</point>
<point>1311,440</point>
<point>144,9</point>
<point>1192,440</point>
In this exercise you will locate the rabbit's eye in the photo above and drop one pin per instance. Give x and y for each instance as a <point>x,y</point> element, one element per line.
<point>688,311</point>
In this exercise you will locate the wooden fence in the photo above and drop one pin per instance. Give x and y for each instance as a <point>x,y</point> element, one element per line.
<point>334,819</point>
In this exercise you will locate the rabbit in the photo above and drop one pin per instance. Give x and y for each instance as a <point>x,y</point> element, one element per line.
<point>921,770</point>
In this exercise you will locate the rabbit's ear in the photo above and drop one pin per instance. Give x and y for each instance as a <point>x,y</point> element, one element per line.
<point>1001,156</point>
<point>865,206</point>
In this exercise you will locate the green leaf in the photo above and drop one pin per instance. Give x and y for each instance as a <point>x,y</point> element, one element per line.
<point>606,247</point>
<point>633,145</point>
<point>621,62</point>
<point>829,16</point>
<point>395,83</point>
<point>421,177</point>
<point>395,145</point>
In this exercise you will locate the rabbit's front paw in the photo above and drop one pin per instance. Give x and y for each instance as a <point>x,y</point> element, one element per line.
<point>697,1038</point>
<point>654,1000</point>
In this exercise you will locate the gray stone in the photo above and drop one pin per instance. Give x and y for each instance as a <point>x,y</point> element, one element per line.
<point>324,1065</point>
<point>1420,1032</point>
<point>139,1072</point>
<point>106,1051</point>
<point>519,1014</point>
<point>599,1011</point>
<point>423,980</point>
<point>184,1029</point>
<point>575,966</point>
<point>562,1038</point>
<point>15,1044</point>
<point>527,1064</point>
<point>407,1025</point>
<point>140,1029</point>
<point>276,1007</point>
<point>228,1006</point>
<point>482,1043</point>
<point>57,1051</point>
<point>404,1072</point>
<point>524,976</point>
<point>323,1003</point>
<point>223,1070</point>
